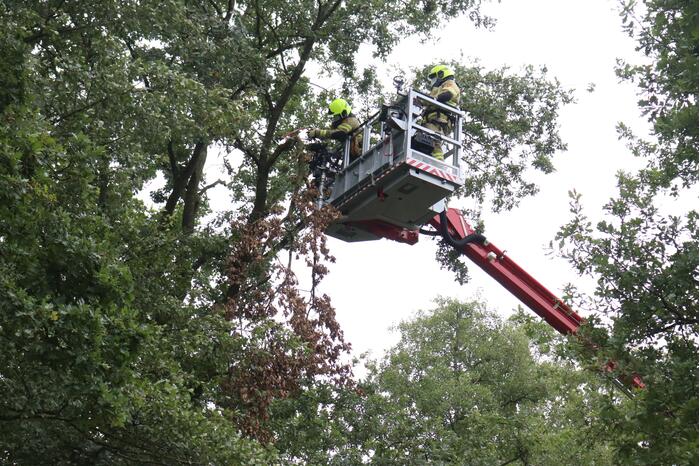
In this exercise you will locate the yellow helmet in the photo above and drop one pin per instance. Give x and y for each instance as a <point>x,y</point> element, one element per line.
<point>339,108</point>
<point>439,73</point>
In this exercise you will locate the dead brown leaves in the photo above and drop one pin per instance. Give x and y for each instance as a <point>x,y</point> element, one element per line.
<point>292,334</point>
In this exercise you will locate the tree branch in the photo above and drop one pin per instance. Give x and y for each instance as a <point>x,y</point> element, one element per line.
<point>134,57</point>
<point>180,182</point>
<point>287,145</point>
<point>286,95</point>
<point>88,106</point>
<point>34,38</point>
<point>173,162</point>
<point>192,195</point>
<point>209,186</point>
<point>216,8</point>
<point>284,48</point>
<point>229,10</point>
<point>238,144</point>
<point>258,17</point>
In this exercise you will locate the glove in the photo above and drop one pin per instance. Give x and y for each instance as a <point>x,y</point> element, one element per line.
<point>314,133</point>
<point>444,97</point>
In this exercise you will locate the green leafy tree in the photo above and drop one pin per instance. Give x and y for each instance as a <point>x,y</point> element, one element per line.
<point>667,33</point>
<point>102,363</point>
<point>460,387</point>
<point>645,261</point>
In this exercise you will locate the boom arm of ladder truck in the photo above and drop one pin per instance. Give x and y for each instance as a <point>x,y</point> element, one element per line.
<point>456,231</point>
<point>506,272</point>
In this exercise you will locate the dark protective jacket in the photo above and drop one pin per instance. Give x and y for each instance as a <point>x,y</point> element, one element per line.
<point>446,92</point>
<point>339,130</point>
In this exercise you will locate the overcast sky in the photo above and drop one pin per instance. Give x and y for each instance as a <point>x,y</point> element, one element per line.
<point>374,285</point>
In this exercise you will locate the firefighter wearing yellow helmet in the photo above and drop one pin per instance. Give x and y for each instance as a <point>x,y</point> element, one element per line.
<point>344,123</point>
<point>443,88</point>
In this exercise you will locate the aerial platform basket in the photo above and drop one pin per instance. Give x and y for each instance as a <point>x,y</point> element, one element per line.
<point>396,181</point>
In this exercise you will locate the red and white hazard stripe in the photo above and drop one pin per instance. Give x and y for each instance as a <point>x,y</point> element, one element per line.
<point>431,169</point>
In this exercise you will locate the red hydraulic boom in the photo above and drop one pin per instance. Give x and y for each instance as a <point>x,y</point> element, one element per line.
<point>509,274</point>
<point>456,231</point>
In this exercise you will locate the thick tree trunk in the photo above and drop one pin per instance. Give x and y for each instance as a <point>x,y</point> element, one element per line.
<point>192,193</point>
<point>103,178</point>
<point>183,177</point>
<point>260,203</point>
